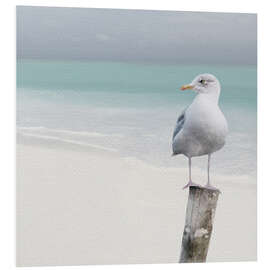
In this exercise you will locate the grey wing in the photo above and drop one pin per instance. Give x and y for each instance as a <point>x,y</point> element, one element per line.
<point>179,124</point>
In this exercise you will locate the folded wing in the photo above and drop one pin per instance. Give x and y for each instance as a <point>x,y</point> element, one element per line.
<point>179,124</point>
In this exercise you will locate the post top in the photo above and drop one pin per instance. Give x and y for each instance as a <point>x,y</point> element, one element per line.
<point>204,189</point>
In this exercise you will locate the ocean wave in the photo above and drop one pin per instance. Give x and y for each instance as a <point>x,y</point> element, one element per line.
<point>66,132</point>
<point>68,141</point>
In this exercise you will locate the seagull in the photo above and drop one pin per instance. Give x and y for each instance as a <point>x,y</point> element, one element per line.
<point>201,129</point>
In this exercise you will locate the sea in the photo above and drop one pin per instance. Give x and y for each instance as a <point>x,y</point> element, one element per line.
<point>131,109</point>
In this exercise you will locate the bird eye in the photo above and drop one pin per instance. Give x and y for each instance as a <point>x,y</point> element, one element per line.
<point>202,81</point>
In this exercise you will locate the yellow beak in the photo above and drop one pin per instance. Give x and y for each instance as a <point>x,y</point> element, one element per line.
<point>186,87</point>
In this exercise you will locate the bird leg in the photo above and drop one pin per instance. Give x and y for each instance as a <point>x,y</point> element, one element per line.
<point>208,185</point>
<point>190,183</point>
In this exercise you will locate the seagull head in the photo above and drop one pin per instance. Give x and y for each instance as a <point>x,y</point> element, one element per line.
<point>204,83</point>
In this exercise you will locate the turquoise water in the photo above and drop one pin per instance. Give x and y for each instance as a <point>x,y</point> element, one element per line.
<point>132,108</point>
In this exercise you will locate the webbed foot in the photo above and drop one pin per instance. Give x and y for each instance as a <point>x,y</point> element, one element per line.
<point>191,184</point>
<point>207,186</point>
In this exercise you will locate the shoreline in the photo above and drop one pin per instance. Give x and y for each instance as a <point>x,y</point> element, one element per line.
<point>52,141</point>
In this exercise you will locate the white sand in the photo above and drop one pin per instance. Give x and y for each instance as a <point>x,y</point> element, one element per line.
<point>88,207</point>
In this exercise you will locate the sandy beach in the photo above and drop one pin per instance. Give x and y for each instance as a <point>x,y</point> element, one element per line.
<point>79,205</point>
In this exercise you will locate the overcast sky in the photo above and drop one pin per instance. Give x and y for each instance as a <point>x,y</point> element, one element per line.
<point>136,35</point>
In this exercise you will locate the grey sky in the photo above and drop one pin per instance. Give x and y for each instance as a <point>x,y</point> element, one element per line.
<point>140,35</point>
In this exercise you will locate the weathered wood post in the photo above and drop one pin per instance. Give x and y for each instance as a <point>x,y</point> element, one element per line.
<point>200,214</point>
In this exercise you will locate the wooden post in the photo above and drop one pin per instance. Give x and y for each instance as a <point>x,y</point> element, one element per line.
<point>200,214</point>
